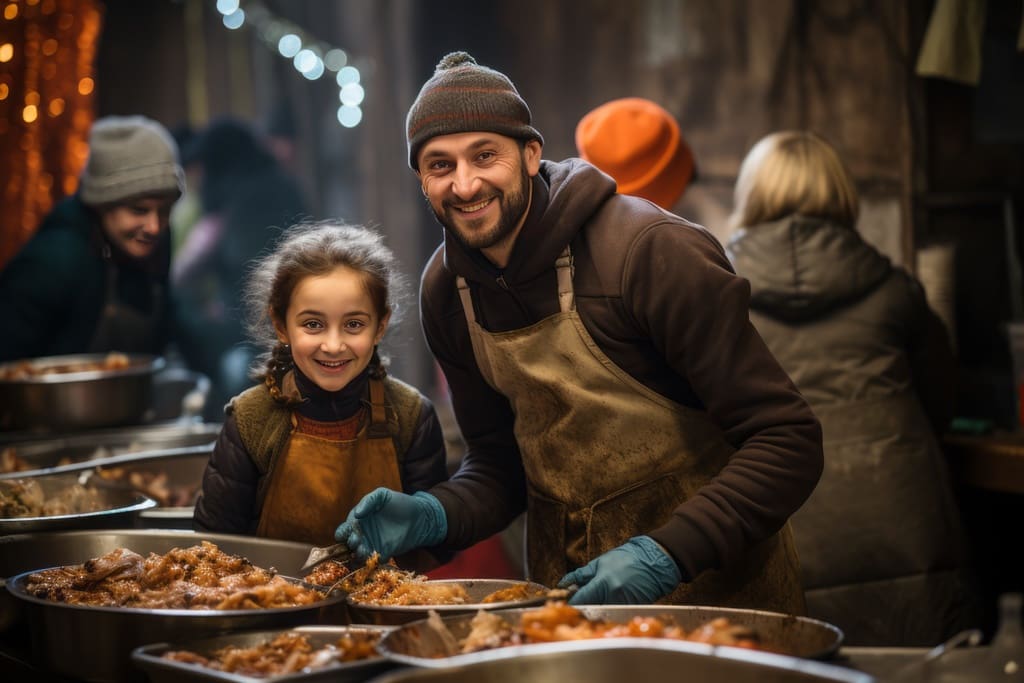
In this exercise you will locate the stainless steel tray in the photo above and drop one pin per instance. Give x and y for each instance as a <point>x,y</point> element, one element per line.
<point>27,552</point>
<point>418,644</point>
<point>616,660</point>
<point>113,447</point>
<point>166,518</point>
<point>477,589</point>
<point>95,643</point>
<point>159,670</point>
<point>122,508</point>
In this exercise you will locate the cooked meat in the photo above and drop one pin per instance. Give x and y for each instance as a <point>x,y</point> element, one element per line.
<point>198,577</point>
<point>289,652</point>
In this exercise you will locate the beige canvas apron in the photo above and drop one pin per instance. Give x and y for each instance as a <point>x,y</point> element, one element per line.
<point>607,458</point>
<point>316,481</point>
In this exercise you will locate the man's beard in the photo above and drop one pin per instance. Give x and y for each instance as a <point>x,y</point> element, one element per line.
<point>513,205</point>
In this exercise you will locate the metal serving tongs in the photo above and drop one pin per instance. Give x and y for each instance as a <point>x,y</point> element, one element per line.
<point>339,551</point>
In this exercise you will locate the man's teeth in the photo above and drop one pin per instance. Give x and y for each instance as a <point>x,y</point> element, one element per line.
<point>331,363</point>
<point>474,207</point>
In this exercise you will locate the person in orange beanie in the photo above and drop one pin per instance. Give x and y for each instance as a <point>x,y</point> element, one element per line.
<point>638,143</point>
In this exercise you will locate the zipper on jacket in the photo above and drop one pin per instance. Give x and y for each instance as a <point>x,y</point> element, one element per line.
<point>501,283</point>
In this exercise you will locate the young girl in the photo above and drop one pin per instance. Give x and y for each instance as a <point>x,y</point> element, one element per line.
<point>326,425</point>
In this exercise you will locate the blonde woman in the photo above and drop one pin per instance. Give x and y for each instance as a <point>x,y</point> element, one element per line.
<point>880,540</point>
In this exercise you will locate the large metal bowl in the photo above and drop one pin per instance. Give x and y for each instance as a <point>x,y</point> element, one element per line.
<point>111,447</point>
<point>121,508</point>
<point>26,552</point>
<point>477,589</point>
<point>160,670</point>
<point>95,643</point>
<point>58,402</point>
<point>419,644</point>
<point>617,660</point>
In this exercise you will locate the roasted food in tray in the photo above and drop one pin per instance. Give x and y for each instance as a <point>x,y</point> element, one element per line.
<point>27,369</point>
<point>152,482</point>
<point>386,585</point>
<point>303,654</point>
<point>559,622</point>
<point>456,639</point>
<point>27,498</point>
<point>288,652</point>
<point>200,577</point>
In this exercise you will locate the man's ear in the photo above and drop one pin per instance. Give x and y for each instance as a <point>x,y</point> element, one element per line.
<point>532,151</point>
<point>382,328</point>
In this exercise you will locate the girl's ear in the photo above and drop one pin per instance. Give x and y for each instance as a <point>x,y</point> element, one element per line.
<point>279,328</point>
<point>382,328</point>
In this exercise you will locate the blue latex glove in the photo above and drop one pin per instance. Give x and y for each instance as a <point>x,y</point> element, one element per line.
<point>393,523</point>
<point>637,572</point>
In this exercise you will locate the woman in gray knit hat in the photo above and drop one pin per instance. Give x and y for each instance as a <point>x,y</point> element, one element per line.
<point>94,276</point>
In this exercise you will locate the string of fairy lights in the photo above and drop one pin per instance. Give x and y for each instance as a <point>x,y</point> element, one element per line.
<point>313,58</point>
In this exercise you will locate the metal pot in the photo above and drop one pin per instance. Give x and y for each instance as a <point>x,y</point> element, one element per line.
<point>477,589</point>
<point>419,644</point>
<point>95,643</point>
<point>616,660</point>
<point>110,447</point>
<point>59,402</point>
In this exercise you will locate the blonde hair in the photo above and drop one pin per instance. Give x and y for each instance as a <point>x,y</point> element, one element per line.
<point>793,172</point>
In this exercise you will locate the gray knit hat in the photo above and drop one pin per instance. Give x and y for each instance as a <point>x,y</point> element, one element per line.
<point>463,97</point>
<point>129,156</point>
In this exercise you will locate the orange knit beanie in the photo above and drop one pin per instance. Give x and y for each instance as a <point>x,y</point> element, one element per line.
<point>637,143</point>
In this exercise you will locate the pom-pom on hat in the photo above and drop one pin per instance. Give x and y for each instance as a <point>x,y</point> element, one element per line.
<point>463,97</point>
<point>637,143</point>
<point>129,156</point>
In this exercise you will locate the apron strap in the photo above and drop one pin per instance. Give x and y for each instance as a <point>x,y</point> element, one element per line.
<point>467,300</point>
<point>378,428</point>
<point>564,268</point>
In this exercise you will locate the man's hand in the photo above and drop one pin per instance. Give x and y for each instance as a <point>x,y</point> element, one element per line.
<point>393,523</point>
<point>637,572</point>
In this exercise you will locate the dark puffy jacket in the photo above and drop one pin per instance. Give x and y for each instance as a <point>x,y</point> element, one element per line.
<point>53,291</point>
<point>881,545</point>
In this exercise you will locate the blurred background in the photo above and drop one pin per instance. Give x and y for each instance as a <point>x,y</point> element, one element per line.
<point>934,143</point>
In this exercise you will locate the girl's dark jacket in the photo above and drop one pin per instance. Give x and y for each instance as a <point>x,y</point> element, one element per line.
<point>659,297</point>
<point>880,541</point>
<point>54,290</point>
<point>231,499</point>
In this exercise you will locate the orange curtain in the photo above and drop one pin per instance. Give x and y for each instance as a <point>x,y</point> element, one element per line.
<point>47,54</point>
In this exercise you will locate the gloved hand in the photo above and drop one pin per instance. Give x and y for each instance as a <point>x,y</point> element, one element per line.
<point>393,523</point>
<point>637,572</point>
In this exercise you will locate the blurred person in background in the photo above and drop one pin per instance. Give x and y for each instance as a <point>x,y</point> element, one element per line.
<point>94,277</point>
<point>246,199</point>
<point>604,373</point>
<point>882,549</point>
<point>639,144</point>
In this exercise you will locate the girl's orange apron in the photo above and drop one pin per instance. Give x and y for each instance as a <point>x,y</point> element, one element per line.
<point>316,481</point>
<point>607,458</point>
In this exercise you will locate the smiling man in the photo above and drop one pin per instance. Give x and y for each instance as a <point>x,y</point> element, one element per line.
<point>94,276</point>
<point>603,371</point>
